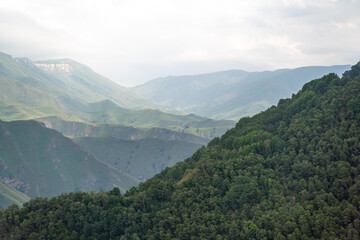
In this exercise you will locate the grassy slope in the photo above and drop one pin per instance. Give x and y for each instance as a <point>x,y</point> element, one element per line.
<point>140,158</point>
<point>148,118</point>
<point>42,162</point>
<point>90,86</point>
<point>9,195</point>
<point>28,92</point>
<point>25,87</point>
<point>82,129</point>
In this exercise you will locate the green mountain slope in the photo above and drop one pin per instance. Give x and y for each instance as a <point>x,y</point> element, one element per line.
<point>148,118</point>
<point>79,80</point>
<point>139,158</point>
<point>291,172</point>
<point>73,92</point>
<point>59,90</point>
<point>21,101</point>
<point>9,195</point>
<point>229,94</point>
<point>41,162</point>
<point>29,92</point>
<point>192,124</point>
<point>67,80</point>
<point>82,129</point>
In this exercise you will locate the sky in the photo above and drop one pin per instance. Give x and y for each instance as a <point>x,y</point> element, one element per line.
<point>134,41</point>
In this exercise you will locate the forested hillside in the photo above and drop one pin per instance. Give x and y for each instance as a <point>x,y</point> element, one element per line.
<point>291,172</point>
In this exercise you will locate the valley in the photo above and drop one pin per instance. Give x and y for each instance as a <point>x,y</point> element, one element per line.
<point>91,111</point>
<point>122,137</point>
<point>179,120</point>
<point>38,161</point>
<point>290,172</point>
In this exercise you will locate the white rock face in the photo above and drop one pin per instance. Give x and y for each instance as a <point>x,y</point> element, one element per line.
<point>55,67</point>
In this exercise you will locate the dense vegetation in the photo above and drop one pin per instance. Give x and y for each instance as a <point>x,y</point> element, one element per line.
<point>291,172</point>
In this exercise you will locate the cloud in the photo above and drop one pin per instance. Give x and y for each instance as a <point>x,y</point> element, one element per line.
<point>134,41</point>
<point>22,35</point>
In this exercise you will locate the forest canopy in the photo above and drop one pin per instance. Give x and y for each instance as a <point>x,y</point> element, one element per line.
<point>291,172</point>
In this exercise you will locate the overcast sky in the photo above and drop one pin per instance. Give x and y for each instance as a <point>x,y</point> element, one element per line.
<point>133,41</point>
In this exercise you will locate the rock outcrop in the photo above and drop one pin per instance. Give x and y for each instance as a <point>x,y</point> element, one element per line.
<point>55,67</point>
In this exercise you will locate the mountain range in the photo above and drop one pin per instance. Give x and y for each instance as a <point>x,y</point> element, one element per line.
<point>290,172</point>
<point>125,139</point>
<point>73,92</point>
<point>71,98</point>
<point>229,94</point>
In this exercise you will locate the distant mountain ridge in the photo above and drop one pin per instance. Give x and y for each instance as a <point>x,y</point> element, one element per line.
<point>290,172</point>
<point>73,92</point>
<point>89,85</point>
<point>74,100</point>
<point>229,94</point>
<point>69,90</point>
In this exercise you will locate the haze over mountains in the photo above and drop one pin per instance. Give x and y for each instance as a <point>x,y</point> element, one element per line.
<point>117,138</point>
<point>229,94</point>
<point>73,99</point>
<point>82,129</point>
<point>217,120</point>
<point>71,91</point>
<point>290,172</point>
<point>31,92</point>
